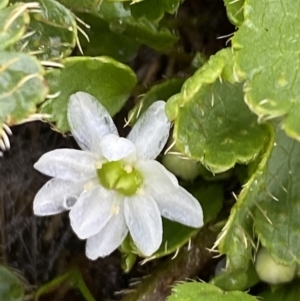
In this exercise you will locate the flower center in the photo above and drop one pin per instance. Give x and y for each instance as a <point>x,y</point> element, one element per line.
<point>116,175</point>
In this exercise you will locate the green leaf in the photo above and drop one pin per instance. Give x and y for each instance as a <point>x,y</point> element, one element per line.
<point>22,86</point>
<point>236,280</point>
<point>82,5</point>
<point>236,239</point>
<point>11,288</point>
<point>106,79</point>
<point>211,199</point>
<point>278,202</point>
<point>212,123</point>
<point>235,11</point>
<point>118,17</point>
<point>154,10</point>
<point>218,66</point>
<point>272,198</point>
<point>103,41</point>
<point>267,51</point>
<point>144,31</point>
<point>170,242</point>
<point>129,256</point>
<point>13,22</point>
<point>161,91</point>
<point>205,292</point>
<point>3,3</point>
<point>288,292</point>
<point>54,32</point>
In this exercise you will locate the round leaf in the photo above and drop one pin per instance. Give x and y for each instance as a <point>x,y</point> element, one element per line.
<point>212,122</point>
<point>107,80</point>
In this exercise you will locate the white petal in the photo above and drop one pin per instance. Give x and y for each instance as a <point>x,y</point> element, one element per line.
<point>156,178</point>
<point>181,207</point>
<point>56,196</point>
<point>115,148</point>
<point>151,131</point>
<point>144,222</point>
<point>108,239</point>
<point>67,164</point>
<point>92,211</point>
<point>89,121</point>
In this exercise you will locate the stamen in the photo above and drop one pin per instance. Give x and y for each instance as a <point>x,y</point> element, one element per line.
<point>98,164</point>
<point>128,168</point>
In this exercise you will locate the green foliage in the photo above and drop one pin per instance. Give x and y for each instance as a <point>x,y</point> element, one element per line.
<point>25,89</point>
<point>211,198</point>
<point>104,41</point>
<point>236,240</point>
<point>52,32</point>
<point>276,214</point>
<point>212,122</point>
<point>235,11</point>
<point>234,280</point>
<point>22,85</point>
<point>3,3</point>
<point>220,113</point>
<point>289,292</point>
<point>154,9</point>
<point>144,31</point>
<point>11,288</point>
<point>173,242</point>
<point>106,79</point>
<point>82,5</point>
<point>161,91</point>
<point>271,198</point>
<point>204,292</point>
<point>120,21</point>
<point>12,24</point>
<point>266,48</point>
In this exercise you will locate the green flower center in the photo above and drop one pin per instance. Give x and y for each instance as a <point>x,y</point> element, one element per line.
<point>116,175</point>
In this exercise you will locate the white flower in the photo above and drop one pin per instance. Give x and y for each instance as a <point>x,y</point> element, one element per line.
<point>114,185</point>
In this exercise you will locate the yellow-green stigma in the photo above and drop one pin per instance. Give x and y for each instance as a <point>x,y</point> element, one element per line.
<point>115,175</point>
